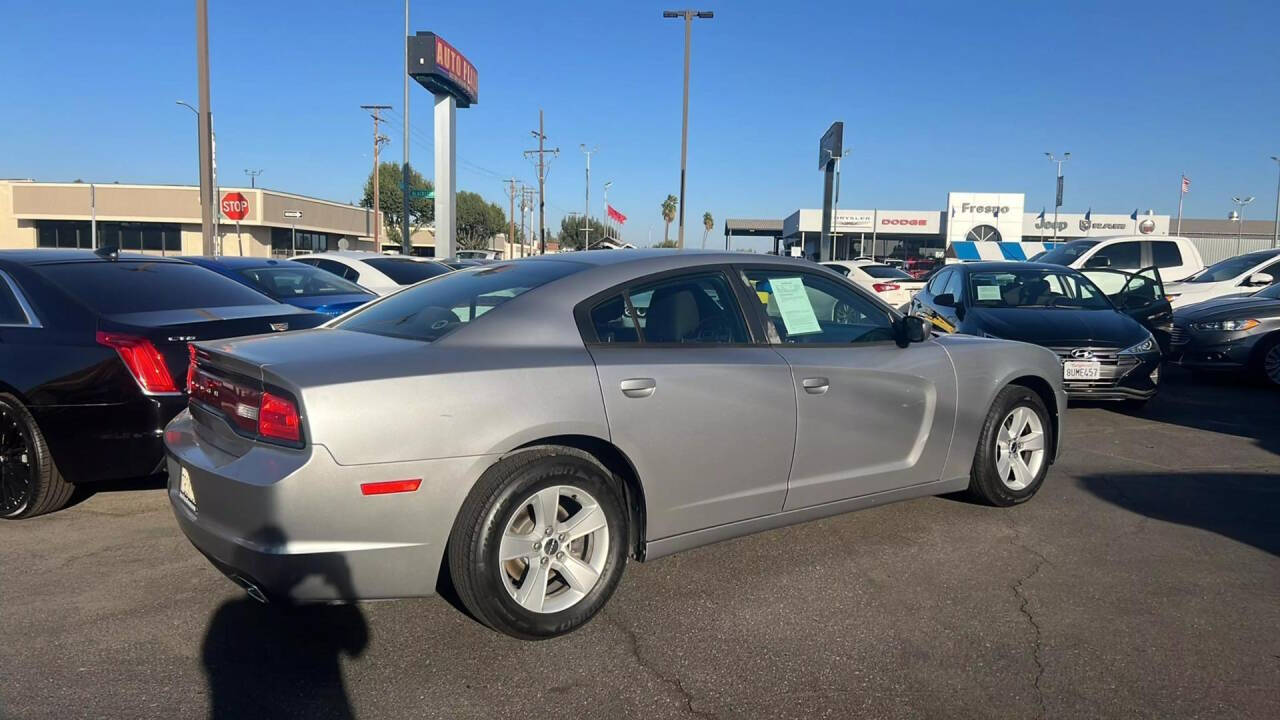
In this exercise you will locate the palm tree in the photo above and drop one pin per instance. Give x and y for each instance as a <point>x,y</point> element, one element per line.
<point>708,222</point>
<point>668,214</point>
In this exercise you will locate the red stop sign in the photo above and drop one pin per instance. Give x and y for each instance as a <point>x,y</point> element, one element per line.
<point>235,206</point>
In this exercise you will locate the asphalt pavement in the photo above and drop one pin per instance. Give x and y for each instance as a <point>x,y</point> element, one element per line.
<point>1142,581</point>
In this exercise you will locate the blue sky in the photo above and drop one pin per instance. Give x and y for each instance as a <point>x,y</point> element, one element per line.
<point>935,96</point>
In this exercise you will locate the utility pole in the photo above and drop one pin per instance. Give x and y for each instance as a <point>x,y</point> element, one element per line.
<point>205,128</point>
<point>1057,202</point>
<point>406,242</point>
<point>375,111</point>
<point>253,176</point>
<point>586,215</point>
<point>511,193</point>
<point>526,206</point>
<point>688,16</point>
<point>541,152</point>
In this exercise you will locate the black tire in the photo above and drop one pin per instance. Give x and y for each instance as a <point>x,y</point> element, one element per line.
<point>1267,346</point>
<point>31,484</point>
<point>985,483</point>
<point>503,490</point>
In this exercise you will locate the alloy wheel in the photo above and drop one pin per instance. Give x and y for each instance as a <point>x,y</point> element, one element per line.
<point>1020,448</point>
<point>16,471</point>
<point>1271,363</point>
<point>553,549</point>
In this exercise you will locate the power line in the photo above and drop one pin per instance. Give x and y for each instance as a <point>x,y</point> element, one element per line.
<point>375,111</point>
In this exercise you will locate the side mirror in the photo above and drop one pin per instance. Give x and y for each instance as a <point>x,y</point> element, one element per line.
<point>1259,279</point>
<point>944,300</point>
<point>1098,261</point>
<point>911,329</point>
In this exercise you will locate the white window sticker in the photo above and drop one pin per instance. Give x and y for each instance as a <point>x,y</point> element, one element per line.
<point>988,292</point>
<point>793,304</point>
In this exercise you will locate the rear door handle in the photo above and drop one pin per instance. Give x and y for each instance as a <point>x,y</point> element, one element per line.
<point>638,387</point>
<point>815,385</point>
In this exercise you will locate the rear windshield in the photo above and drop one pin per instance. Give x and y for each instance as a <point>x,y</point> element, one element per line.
<point>432,310</point>
<point>296,280</point>
<point>404,271</point>
<point>1067,254</point>
<point>1231,268</point>
<point>112,288</point>
<point>885,272</point>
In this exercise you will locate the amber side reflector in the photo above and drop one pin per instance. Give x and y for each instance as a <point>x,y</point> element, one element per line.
<point>391,486</point>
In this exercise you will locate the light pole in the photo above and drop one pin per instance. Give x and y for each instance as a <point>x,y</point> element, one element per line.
<point>606,208</point>
<point>212,200</point>
<point>1057,198</point>
<point>688,16</point>
<point>1275,233</point>
<point>586,215</point>
<point>1241,204</point>
<point>835,207</point>
<point>253,176</point>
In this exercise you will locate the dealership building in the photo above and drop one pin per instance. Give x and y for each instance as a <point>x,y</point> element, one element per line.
<point>165,219</point>
<point>990,226</point>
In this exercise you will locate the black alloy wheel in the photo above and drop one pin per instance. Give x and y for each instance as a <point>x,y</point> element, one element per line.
<point>17,474</point>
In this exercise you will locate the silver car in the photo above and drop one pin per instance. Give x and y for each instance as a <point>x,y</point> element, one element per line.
<point>524,428</point>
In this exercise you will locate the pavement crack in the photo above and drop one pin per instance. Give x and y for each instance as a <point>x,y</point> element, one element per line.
<point>633,643</point>
<point>1025,609</point>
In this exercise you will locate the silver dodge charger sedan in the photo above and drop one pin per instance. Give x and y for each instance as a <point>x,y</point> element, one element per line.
<point>520,430</point>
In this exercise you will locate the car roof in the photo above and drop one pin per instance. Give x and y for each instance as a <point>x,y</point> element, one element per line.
<point>49,256</point>
<point>1010,265</point>
<point>236,262</point>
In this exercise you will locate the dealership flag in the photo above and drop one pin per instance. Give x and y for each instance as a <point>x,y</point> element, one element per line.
<point>1186,184</point>
<point>1134,216</point>
<point>1040,217</point>
<point>617,216</point>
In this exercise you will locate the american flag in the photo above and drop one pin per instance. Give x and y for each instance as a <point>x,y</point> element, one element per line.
<point>1186,184</point>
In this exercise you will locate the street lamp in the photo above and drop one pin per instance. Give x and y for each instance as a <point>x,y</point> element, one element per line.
<point>688,16</point>
<point>1241,203</point>
<point>1057,197</point>
<point>213,161</point>
<point>606,208</point>
<point>253,176</point>
<point>586,215</point>
<point>1275,233</point>
<point>835,209</point>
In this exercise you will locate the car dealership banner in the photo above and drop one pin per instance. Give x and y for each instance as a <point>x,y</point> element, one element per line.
<point>1076,225</point>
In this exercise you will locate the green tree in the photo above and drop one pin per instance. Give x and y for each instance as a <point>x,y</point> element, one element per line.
<point>708,223</point>
<point>478,221</point>
<point>668,243</point>
<point>572,233</point>
<point>422,210</point>
<point>668,214</point>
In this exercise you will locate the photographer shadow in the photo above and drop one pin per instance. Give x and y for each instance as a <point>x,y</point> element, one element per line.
<point>280,660</point>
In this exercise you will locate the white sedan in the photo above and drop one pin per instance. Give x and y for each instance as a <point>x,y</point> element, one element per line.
<point>383,274</point>
<point>891,284</point>
<point>1239,275</point>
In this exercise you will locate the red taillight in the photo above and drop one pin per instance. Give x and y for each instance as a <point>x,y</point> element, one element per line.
<point>886,287</point>
<point>278,418</point>
<point>144,361</point>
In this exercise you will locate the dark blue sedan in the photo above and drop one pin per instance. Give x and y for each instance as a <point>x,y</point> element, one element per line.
<point>290,282</point>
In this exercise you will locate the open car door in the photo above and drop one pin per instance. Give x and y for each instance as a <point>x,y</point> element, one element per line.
<point>1140,295</point>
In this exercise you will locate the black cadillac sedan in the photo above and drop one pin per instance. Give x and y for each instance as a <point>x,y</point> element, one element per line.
<point>1234,334</point>
<point>1106,342</point>
<point>93,362</point>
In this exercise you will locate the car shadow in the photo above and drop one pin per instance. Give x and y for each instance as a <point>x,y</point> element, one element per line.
<point>1242,506</point>
<point>280,660</point>
<point>85,491</point>
<point>1232,404</point>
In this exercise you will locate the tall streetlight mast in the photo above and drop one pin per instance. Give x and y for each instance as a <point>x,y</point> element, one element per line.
<point>606,208</point>
<point>688,16</point>
<point>1241,204</point>
<point>1275,233</point>
<point>1057,197</point>
<point>253,177</point>
<point>586,215</point>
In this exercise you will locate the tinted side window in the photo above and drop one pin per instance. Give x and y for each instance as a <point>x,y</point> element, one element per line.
<point>805,308</point>
<point>955,286</point>
<point>937,282</point>
<point>613,323</point>
<point>1123,255</point>
<point>10,311</point>
<point>688,309</point>
<point>1165,254</point>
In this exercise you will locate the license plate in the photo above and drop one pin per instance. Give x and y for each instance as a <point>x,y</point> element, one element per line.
<point>185,488</point>
<point>1081,370</point>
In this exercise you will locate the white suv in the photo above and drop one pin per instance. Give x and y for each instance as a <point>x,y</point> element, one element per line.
<point>1240,275</point>
<point>1176,257</point>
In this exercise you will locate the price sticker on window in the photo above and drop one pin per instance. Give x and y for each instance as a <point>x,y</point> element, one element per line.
<point>794,305</point>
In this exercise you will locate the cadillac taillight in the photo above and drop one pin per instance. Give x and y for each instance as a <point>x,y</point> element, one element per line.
<point>143,360</point>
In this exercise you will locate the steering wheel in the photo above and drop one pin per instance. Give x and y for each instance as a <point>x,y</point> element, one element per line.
<point>843,313</point>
